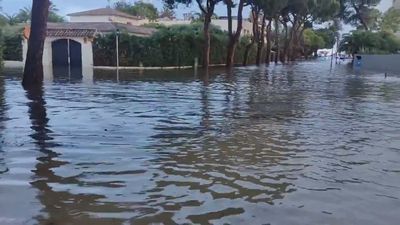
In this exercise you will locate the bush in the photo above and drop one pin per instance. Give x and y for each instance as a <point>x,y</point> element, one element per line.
<point>368,42</point>
<point>312,42</point>
<point>170,46</point>
<point>12,47</point>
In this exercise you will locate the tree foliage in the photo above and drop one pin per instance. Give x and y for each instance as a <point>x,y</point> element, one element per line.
<point>312,42</point>
<point>12,46</point>
<point>167,13</point>
<point>368,42</point>
<point>360,13</point>
<point>391,20</point>
<point>139,8</point>
<point>24,15</point>
<point>328,35</point>
<point>171,46</point>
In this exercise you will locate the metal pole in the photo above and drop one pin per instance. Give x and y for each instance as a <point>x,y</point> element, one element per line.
<point>69,59</point>
<point>117,48</point>
<point>332,56</point>
<point>117,45</point>
<point>337,49</point>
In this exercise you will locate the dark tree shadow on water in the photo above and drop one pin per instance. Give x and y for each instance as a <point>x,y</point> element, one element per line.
<point>59,207</point>
<point>41,136</point>
<point>3,109</point>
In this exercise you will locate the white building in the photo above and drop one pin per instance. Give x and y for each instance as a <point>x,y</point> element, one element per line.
<point>68,47</point>
<point>106,15</point>
<point>111,15</point>
<point>222,23</point>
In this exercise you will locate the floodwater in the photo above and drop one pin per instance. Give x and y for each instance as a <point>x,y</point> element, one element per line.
<point>295,144</point>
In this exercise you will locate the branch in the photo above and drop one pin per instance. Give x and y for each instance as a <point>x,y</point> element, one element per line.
<point>201,6</point>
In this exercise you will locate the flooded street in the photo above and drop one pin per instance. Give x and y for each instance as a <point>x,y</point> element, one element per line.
<point>282,145</point>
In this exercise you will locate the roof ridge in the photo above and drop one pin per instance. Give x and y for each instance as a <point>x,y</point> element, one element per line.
<point>103,11</point>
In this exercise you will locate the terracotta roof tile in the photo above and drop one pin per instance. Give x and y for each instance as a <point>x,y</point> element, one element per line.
<point>103,27</point>
<point>71,32</point>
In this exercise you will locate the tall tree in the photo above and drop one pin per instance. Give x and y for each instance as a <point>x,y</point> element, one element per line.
<point>25,14</point>
<point>360,13</point>
<point>33,71</point>
<point>254,16</point>
<point>302,14</point>
<point>233,35</point>
<point>391,20</point>
<point>140,8</point>
<point>272,10</point>
<point>54,15</point>
<point>167,13</point>
<point>207,8</point>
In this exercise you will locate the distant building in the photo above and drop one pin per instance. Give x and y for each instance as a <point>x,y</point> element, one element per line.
<point>114,16</point>
<point>105,15</point>
<point>222,23</point>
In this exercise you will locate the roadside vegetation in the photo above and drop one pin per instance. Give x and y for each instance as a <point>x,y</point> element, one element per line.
<point>11,27</point>
<point>376,31</point>
<point>178,45</point>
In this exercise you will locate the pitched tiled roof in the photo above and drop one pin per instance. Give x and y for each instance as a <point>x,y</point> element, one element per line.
<point>71,32</point>
<point>104,12</point>
<point>102,27</point>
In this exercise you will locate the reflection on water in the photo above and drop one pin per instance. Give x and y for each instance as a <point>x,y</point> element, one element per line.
<point>3,109</point>
<point>282,145</point>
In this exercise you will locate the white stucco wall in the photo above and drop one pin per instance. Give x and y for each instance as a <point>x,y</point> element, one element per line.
<point>223,24</point>
<point>173,22</point>
<point>107,19</point>
<point>87,56</point>
<point>87,19</point>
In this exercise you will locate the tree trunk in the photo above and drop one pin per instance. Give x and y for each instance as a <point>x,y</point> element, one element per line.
<point>33,72</point>
<point>234,38</point>
<point>256,31</point>
<point>291,40</point>
<point>360,17</point>
<point>296,42</point>
<point>207,40</point>
<point>260,44</point>
<point>277,44</point>
<point>230,60</point>
<point>285,48</point>
<point>269,43</point>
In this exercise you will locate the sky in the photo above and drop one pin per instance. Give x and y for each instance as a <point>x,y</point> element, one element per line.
<point>11,7</point>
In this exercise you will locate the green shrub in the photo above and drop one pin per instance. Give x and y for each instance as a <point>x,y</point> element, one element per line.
<point>12,49</point>
<point>368,42</point>
<point>170,46</point>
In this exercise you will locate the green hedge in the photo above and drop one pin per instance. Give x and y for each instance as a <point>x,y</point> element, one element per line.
<point>12,47</point>
<point>368,42</point>
<point>169,46</point>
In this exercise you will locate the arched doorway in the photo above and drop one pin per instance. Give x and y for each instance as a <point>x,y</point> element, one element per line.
<point>67,58</point>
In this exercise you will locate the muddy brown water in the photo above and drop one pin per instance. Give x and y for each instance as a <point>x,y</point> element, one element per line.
<point>295,144</point>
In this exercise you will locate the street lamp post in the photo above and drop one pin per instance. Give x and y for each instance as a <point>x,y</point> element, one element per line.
<point>117,46</point>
